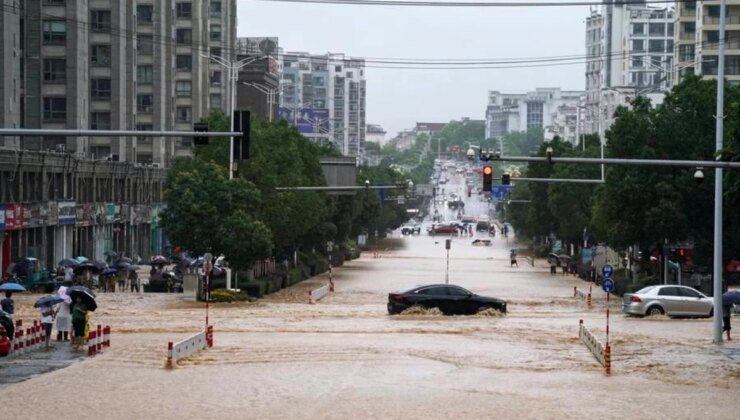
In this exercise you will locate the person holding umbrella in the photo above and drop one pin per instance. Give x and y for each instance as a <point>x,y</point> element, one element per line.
<point>79,323</point>
<point>64,314</point>
<point>729,298</point>
<point>47,320</point>
<point>8,305</point>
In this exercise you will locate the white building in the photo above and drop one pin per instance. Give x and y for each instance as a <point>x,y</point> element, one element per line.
<point>375,133</point>
<point>543,108</point>
<point>329,91</point>
<point>627,46</point>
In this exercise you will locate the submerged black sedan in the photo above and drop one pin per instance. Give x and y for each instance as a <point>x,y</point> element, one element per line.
<point>449,299</point>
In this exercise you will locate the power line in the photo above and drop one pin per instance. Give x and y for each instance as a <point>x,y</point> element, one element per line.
<point>475,4</point>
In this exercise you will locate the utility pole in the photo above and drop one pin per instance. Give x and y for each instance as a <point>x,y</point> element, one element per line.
<point>717,266</point>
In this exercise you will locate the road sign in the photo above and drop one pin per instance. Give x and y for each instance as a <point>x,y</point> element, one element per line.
<point>607,284</point>
<point>448,243</point>
<point>500,191</point>
<point>607,270</point>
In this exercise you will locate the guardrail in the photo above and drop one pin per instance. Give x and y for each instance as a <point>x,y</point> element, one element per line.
<point>189,346</point>
<point>583,295</point>
<point>28,340</point>
<point>97,340</point>
<point>316,294</point>
<point>601,352</point>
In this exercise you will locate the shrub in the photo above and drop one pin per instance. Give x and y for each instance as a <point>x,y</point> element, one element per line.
<point>228,296</point>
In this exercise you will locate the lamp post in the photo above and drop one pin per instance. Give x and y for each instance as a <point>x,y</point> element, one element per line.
<point>232,69</point>
<point>270,92</point>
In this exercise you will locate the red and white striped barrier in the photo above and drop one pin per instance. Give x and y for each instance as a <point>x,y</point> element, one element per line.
<point>97,340</point>
<point>600,351</point>
<point>331,282</point>
<point>583,295</point>
<point>27,340</point>
<point>189,346</point>
<point>317,294</point>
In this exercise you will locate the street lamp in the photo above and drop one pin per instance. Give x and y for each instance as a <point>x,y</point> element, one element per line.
<point>232,68</point>
<point>270,92</point>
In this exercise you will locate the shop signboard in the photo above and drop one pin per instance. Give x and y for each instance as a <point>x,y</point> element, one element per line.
<point>13,216</point>
<point>67,213</point>
<point>53,217</point>
<point>111,211</point>
<point>139,214</point>
<point>35,215</point>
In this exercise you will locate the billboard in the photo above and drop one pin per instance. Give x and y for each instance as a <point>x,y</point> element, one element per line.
<point>307,120</point>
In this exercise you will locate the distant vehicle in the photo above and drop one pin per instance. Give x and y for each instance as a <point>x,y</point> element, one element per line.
<point>454,205</point>
<point>410,229</point>
<point>482,226</point>
<point>442,228</point>
<point>670,300</point>
<point>31,273</point>
<point>450,299</point>
<point>468,219</point>
<point>482,242</point>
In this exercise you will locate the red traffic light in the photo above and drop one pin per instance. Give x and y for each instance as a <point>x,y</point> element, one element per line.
<point>487,170</point>
<point>681,252</point>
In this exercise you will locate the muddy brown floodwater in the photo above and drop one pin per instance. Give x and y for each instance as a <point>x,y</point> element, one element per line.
<point>344,357</point>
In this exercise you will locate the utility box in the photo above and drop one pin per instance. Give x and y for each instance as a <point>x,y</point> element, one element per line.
<point>190,286</point>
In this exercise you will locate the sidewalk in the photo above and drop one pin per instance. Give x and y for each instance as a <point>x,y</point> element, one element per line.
<point>23,367</point>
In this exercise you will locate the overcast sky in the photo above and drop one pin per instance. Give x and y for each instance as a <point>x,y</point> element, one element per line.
<point>397,99</point>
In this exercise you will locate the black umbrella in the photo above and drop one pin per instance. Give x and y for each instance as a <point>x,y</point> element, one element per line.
<point>160,260</point>
<point>88,297</point>
<point>108,271</point>
<point>731,298</point>
<point>87,266</point>
<point>132,268</point>
<point>101,265</point>
<point>48,301</point>
<point>69,262</point>
<point>123,261</point>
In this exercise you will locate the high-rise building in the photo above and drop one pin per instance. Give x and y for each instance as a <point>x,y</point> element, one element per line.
<point>540,109</point>
<point>324,96</point>
<point>629,47</point>
<point>697,32</point>
<point>113,64</point>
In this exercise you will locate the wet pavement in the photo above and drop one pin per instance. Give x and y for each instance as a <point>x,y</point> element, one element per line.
<point>345,357</point>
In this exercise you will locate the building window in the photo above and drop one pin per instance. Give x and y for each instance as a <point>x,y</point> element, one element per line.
<point>215,101</point>
<point>183,114</point>
<point>534,115</point>
<point>216,51</point>
<point>685,53</point>
<point>184,62</point>
<point>55,31</point>
<point>145,14</point>
<point>215,78</point>
<point>656,45</point>
<point>637,62</point>
<point>55,109</point>
<point>183,88</point>
<point>318,81</point>
<point>100,88</point>
<point>215,33</point>
<point>100,121</point>
<point>638,29</point>
<point>100,21</point>
<point>656,29</point>
<point>144,127</point>
<point>710,65</point>
<point>100,55</point>
<point>215,9</point>
<point>184,36</point>
<point>338,69</point>
<point>145,74</point>
<point>184,10</point>
<point>145,44</point>
<point>145,103</point>
<point>637,45</point>
<point>55,70</point>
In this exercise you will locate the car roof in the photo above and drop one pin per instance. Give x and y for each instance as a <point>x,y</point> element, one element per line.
<point>419,287</point>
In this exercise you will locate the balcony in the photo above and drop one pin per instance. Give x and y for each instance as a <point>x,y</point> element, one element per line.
<point>687,36</point>
<point>729,20</point>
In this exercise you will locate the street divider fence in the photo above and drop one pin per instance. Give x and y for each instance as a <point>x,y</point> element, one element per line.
<point>583,295</point>
<point>189,346</point>
<point>601,352</point>
<point>317,294</point>
<point>33,339</point>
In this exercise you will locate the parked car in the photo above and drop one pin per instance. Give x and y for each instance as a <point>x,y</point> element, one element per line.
<point>450,299</point>
<point>482,242</point>
<point>671,300</point>
<point>410,229</point>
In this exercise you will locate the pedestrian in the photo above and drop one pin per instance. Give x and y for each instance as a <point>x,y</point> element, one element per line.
<point>122,280</point>
<point>512,256</point>
<point>7,304</point>
<point>47,320</point>
<point>565,268</point>
<point>79,323</point>
<point>64,314</point>
<point>553,266</point>
<point>133,278</point>
<point>726,314</point>
<point>69,274</point>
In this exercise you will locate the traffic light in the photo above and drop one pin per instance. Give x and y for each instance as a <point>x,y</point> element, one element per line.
<point>505,179</point>
<point>681,254</point>
<point>201,128</point>
<point>487,178</point>
<point>241,144</point>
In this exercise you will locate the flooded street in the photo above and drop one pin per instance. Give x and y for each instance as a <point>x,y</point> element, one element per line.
<point>345,357</point>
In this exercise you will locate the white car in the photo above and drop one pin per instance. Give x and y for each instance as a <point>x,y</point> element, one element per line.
<point>670,300</point>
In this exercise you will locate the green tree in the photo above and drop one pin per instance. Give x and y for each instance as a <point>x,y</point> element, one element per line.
<point>207,212</point>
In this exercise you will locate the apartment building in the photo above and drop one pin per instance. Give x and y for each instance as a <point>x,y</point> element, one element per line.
<point>324,96</point>
<point>541,109</point>
<point>629,48</point>
<point>697,29</point>
<point>113,64</point>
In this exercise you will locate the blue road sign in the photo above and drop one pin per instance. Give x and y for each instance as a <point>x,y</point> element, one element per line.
<point>607,284</point>
<point>500,191</point>
<point>607,270</point>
